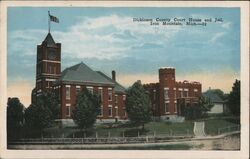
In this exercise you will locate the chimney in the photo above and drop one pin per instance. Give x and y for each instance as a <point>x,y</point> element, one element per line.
<point>113,75</point>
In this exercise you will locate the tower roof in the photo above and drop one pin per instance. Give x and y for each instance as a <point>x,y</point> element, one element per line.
<point>49,40</point>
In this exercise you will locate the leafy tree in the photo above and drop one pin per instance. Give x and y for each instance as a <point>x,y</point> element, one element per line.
<point>86,109</point>
<point>15,115</point>
<point>51,101</point>
<point>138,104</point>
<point>38,116</point>
<point>234,98</point>
<point>200,110</point>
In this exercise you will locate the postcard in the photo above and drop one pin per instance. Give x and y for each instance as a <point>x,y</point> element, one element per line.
<point>84,79</point>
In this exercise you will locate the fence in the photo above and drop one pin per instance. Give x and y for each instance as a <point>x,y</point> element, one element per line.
<point>107,138</point>
<point>228,129</point>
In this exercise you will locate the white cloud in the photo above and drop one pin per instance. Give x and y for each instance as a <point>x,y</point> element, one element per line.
<point>96,37</point>
<point>216,36</point>
<point>226,25</point>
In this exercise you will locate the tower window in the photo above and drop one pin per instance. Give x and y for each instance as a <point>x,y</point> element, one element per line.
<point>166,95</point>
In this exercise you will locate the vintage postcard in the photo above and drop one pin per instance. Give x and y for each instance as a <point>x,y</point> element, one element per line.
<point>124,79</point>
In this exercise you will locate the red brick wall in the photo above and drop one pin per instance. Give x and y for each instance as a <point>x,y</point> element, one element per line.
<point>105,102</point>
<point>167,80</point>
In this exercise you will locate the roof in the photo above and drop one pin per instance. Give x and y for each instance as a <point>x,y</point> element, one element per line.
<point>213,97</point>
<point>83,74</point>
<point>49,40</point>
<point>118,88</point>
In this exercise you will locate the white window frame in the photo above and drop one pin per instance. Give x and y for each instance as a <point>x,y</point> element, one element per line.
<point>124,97</point>
<point>165,110</point>
<point>166,93</point>
<point>78,89</point>
<point>100,93</point>
<point>68,106</point>
<point>175,106</point>
<point>67,95</point>
<point>101,111</point>
<point>116,111</point>
<point>110,106</point>
<point>110,94</point>
<point>116,98</point>
<point>90,89</point>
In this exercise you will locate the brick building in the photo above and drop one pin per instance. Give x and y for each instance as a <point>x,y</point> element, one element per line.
<point>74,79</point>
<point>168,94</point>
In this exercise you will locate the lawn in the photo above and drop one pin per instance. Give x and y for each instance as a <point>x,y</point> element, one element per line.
<point>151,128</point>
<point>212,125</point>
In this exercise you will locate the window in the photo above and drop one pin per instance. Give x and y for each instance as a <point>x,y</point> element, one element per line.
<point>90,89</point>
<point>110,110</point>
<point>166,93</point>
<point>78,89</point>
<point>124,97</point>
<point>54,70</point>
<point>166,107</point>
<point>175,107</point>
<point>116,111</point>
<point>48,84</point>
<point>67,92</point>
<point>100,93</point>
<point>116,98</point>
<point>100,113</point>
<point>185,93</point>
<point>125,113</point>
<point>154,91</point>
<point>110,94</point>
<point>68,110</point>
<point>50,69</point>
<point>196,92</point>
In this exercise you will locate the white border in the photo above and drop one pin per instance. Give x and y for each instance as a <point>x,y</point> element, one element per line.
<point>130,154</point>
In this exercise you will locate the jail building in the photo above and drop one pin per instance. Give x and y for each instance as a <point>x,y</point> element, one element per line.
<point>73,80</point>
<point>168,95</point>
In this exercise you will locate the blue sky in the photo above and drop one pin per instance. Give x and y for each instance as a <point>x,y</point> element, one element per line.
<point>107,39</point>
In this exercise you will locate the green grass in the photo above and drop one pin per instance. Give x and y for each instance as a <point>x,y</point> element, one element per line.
<point>212,125</point>
<point>117,129</point>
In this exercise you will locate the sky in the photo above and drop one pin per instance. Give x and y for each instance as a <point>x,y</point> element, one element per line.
<point>108,39</point>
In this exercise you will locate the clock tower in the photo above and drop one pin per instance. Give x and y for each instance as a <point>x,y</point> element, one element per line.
<point>48,65</point>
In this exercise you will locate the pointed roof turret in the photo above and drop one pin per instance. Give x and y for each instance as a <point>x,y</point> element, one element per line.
<point>49,40</point>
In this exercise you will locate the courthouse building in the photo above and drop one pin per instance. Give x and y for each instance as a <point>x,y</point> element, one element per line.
<point>169,97</point>
<point>73,80</point>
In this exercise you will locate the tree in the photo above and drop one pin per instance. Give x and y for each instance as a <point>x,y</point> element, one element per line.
<point>15,115</point>
<point>38,116</point>
<point>200,110</point>
<point>220,93</point>
<point>234,98</point>
<point>86,109</point>
<point>51,101</point>
<point>138,105</point>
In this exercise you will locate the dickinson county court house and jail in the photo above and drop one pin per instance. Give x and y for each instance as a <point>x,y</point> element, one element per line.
<point>165,95</point>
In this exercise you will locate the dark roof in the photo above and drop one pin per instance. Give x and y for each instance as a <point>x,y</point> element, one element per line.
<point>49,40</point>
<point>83,74</point>
<point>118,88</point>
<point>213,97</point>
